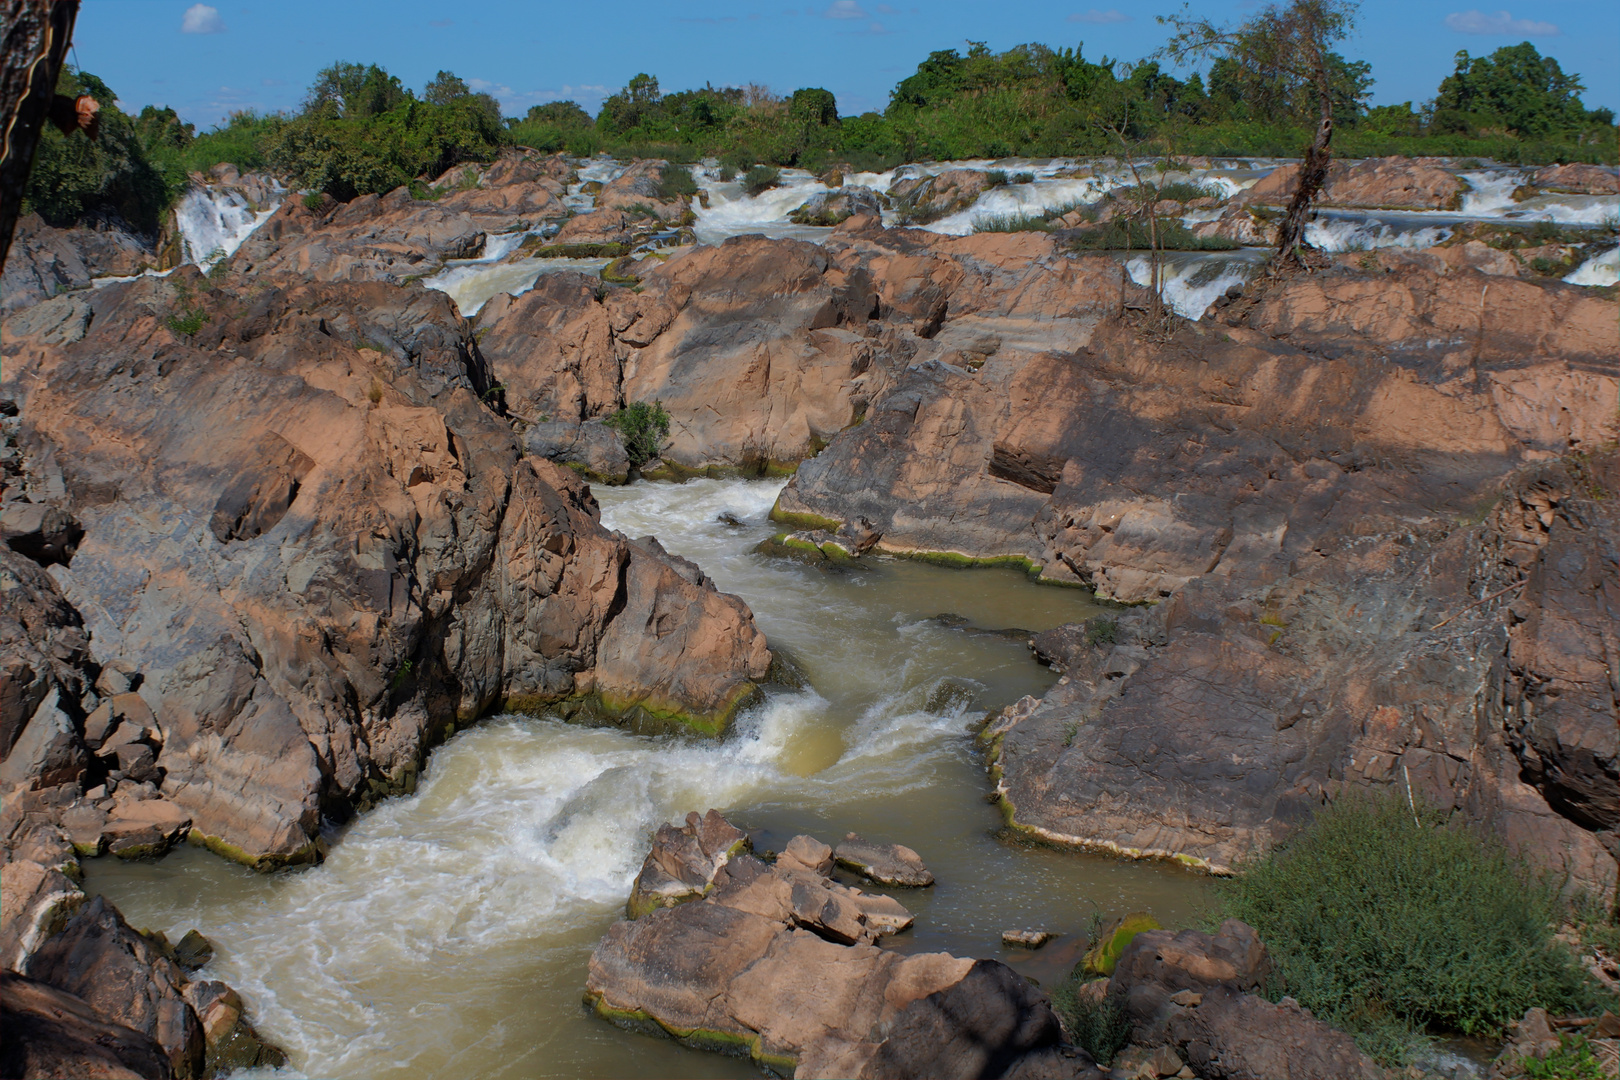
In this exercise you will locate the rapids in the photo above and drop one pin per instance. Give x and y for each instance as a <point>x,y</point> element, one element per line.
<point>1192,279</point>
<point>447,933</point>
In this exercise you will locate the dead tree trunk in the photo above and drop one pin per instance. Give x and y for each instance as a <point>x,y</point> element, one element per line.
<point>1313,170</point>
<point>34,42</point>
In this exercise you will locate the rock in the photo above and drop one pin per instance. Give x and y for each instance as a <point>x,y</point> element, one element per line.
<point>1114,939</point>
<point>51,1033</point>
<point>44,261</point>
<point>1026,939</point>
<point>144,829</point>
<point>42,532</point>
<point>45,663</point>
<point>931,198</point>
<point>192,952</point>
<point>776,961</point>
<point>1161,972</point>
<point>1391,183</point>
<point>886,864</point>
<point>594,448</point>
<point>1576,179</point>
<point>1237,1036</point>
<point>126,979</point>
<point>683,862</point>
<point>834,207</point>
<point>232,1042</point>
<point>396,565</point>
<point>807,853</point>
<point>636,189</point>
<point>599,227</point>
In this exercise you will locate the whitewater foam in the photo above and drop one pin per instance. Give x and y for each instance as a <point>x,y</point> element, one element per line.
<point>213,223</point>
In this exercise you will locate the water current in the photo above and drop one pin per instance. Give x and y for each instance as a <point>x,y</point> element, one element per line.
<point>447,933</point>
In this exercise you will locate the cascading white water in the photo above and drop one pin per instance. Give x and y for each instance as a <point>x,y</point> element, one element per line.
<point>1602,269</point>
<point>1344,233</point>
<point>447,933</point>
<point>214,222</point>
<point>1191,283</point>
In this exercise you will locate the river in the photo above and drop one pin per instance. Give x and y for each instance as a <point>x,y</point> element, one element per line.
<point>447,933</point>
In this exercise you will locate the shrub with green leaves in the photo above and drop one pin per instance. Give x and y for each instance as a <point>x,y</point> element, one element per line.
<point>675,184</point>
<point>761,178</point>
<point>1385,920</point>
<point>643,427</point>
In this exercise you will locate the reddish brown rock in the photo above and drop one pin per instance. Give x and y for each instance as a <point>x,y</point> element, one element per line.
<point>1576,179</point>
<point>778,961</point>
<point>1382,183</point>
<point>369,556</point>
<point>636,190</point>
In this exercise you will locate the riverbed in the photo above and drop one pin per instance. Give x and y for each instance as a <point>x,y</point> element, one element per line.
<point>447,933</point>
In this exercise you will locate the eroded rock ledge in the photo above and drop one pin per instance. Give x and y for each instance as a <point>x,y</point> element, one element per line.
<point>309,553</point>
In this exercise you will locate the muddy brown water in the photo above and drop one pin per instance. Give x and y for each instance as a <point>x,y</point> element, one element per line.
<point>447,934</point>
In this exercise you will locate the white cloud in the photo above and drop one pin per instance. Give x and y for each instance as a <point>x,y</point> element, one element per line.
<point>845,9</point>
<point>1498,23</point>
<point>202,19</point>
<point>1112,15</point>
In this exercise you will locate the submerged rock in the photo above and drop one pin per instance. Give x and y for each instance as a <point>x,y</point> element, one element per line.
<point>777,961</point>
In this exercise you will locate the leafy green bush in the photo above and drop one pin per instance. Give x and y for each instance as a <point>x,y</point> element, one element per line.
<point>1573,1060</point>
<point>1097,1023</point>
<point>1386,921</point>
<point>675,183</point>
<point>761,178</point>
<point>643,428</point>
<point>996,178</point>
<point>1023,178</point>
<point>1102,630</point>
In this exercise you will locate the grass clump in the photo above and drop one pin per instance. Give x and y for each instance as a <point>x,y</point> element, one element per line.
<point>1125,235</point>
<point>1384,920</point>
<point>643,427</point>
<point>1102,630</point>
<point>761,178</point>
<point>1096,1022</point>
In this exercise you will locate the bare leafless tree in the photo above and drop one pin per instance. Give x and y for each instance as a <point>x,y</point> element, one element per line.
<point>1292,41</point>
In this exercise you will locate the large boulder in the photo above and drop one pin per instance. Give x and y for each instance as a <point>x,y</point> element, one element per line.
<point>44,261</point>
<point>778,962</point>
<point>637,191</point>
<point>1394,183</point>
<point>595,449</point>
<point>837,206</point>
<point>929,198</point>
<point>51,1033</point>
<point>340,558</point>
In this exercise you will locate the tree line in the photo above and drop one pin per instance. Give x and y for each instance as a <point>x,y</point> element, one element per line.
<point>360,130</point>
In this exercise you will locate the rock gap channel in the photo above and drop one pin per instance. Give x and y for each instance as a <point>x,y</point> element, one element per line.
<point>447,933</point>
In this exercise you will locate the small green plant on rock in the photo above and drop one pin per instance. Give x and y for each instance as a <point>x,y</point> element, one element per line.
<point>675,184</point>
<point>190,317</point>
<point>643,427</point>
<point>1101,630</point>
<point>1573,1060</point>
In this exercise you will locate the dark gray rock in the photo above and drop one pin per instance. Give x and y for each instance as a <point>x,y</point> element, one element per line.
<point>593,447</point>
<point>1231,1035</point>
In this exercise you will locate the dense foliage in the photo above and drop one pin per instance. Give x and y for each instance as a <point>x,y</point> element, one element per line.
<point>1386,921</point>
<point>360,130</point>
<point>643,428</point>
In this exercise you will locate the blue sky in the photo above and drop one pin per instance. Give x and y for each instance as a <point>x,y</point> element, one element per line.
<point>206,60</point>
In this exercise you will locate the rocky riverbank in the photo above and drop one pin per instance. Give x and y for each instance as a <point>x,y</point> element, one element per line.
<point>275,531</point>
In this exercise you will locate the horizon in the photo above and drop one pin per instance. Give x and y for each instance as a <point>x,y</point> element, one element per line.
<point>231,56</point>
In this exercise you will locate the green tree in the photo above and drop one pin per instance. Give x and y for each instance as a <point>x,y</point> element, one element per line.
<point>1516,87</point>
<point>444,89</point>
